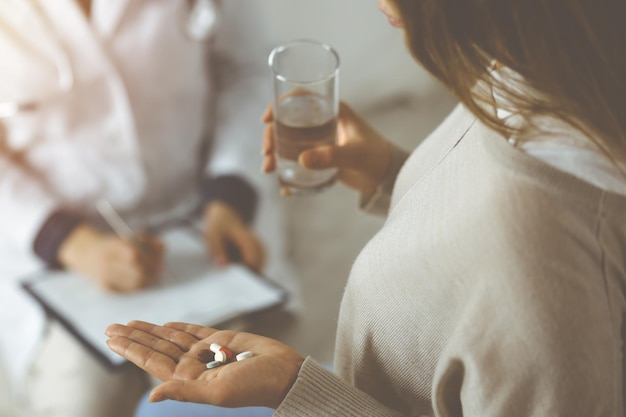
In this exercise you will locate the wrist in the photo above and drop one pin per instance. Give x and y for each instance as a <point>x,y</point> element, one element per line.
<point>235,192</point>
<point>56,228</point>
<point>386,156</point>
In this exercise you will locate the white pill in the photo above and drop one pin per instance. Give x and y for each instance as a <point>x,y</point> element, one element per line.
<point>213,364</point>
<point>244,355</point>
<point>221,356</point>
<point>214,347</point>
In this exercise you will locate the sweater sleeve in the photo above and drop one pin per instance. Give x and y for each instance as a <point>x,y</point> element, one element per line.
<point>378,202</point>
<point>319,392</point>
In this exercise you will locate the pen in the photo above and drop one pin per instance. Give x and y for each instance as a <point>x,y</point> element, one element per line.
<point>115,221</point>
<point>108,213</point>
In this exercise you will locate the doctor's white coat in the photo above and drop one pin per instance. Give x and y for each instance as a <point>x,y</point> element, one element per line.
<point>122,106</point>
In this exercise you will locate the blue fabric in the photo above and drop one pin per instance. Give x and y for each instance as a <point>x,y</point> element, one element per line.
<point>169,408</point>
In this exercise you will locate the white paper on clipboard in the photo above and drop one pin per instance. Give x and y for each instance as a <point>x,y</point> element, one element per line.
<point>193,290</point>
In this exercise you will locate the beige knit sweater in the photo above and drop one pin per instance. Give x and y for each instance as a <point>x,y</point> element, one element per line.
<point>495,288</point>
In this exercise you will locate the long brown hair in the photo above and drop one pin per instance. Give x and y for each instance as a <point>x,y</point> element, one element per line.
<point>573,52</point>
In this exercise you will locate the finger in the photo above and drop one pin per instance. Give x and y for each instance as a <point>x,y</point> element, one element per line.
<point>125,251</point>
<point>233,253</point>
<point>323,157</point>
<point>268,144</point>
<point>149,242</point>
<point>217,247</point>
<point>151,252</point>
<point>251,250</point>
<point>149,339</point>
<point>269,164</point>
<point>181,338</point>
<point>319,158</point>
<point>189,391</point>
<point>135,276</point>
<point>195,330</point>
<point>268,149</point>
<point>150,268</point>
<point>121,277</point>
<point>259,265</point>
<point>153,362</point>
<point>136,265</point>
<point>268,114</point>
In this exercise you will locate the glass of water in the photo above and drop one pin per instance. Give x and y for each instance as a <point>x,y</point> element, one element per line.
<point>305,78</point>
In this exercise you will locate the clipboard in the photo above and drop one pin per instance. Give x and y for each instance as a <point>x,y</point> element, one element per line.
<point>195,291</point>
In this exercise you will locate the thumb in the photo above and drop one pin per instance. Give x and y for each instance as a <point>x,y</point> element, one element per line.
<point>188,391</point>
<point>217,247</point>
<point>321,157</point>
<point>251,250</point>
<point>332,156</point>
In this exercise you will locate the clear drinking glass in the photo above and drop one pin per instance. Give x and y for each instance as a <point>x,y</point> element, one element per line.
<point>305,75</point>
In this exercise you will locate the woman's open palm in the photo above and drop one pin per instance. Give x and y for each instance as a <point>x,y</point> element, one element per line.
<point>170,353</point>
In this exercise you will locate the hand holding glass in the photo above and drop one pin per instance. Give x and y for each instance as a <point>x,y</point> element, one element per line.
<point>305,77</point>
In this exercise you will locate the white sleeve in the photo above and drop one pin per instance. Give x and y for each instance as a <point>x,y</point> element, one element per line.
<point>24,204</point>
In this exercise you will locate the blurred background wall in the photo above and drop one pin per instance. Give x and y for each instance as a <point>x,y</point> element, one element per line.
<point>375,64</point>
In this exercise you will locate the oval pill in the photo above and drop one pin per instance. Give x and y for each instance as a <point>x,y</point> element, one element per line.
<point>244,355</point>
<point>213,364</point>
<point>221,356</point>
<point>214,347</point>
<point>229,354</point>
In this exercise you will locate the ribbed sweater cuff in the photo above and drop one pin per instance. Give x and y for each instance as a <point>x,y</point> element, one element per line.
<point>234,191</point>
<point>319,392</point>
<point>53,233</point>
